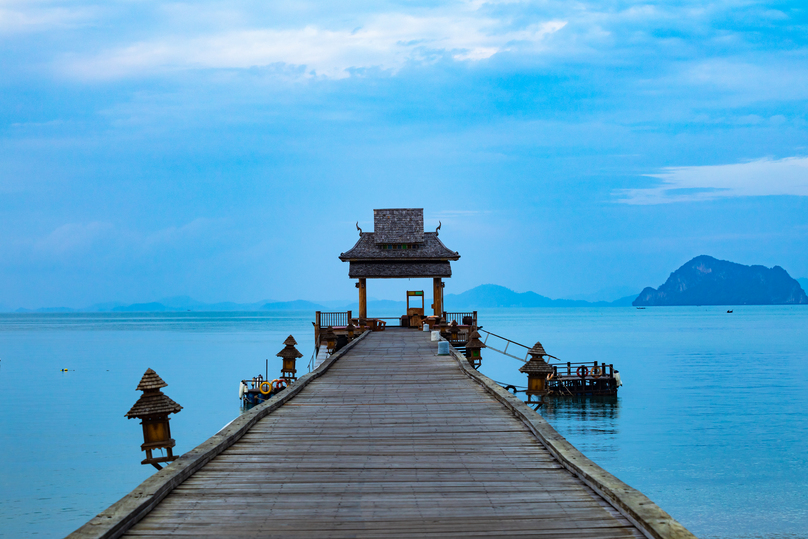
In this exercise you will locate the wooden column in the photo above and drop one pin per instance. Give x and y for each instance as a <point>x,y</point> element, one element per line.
<point>437,296</point>
<point>363,298</point>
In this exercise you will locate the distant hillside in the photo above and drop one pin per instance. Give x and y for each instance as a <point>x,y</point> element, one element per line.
<point>296,305</point>
<point>492,296</point>
<point>709,281</point>
<point>803,283</point>
<point>480,297</point>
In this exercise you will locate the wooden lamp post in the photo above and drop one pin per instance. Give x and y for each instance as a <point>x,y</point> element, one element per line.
<point>473,347</point>
<point>444,329</point>
<point>152,408</point>
<point>330,339</point>
<point>289,354</point>
<point>351,329</point>
<point>453,330</point>
<point>537,370</point>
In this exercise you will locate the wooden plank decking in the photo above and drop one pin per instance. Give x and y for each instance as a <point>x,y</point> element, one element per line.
<point>391,441</point>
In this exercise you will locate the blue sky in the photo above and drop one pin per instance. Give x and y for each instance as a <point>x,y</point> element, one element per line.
<point>225,150</point>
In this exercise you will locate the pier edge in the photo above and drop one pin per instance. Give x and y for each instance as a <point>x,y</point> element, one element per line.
<point>640,510</point>
<point>129,510</point>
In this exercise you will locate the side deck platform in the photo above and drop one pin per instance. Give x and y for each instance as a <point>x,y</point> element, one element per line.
<point>386,439</point>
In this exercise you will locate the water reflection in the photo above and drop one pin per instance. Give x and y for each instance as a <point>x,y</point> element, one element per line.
<point>593,418</point>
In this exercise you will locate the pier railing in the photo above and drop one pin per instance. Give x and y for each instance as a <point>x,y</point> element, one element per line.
<point>462,319</point>
<point>579,369</point>
<point>334,319</point>
<point>502,345</point>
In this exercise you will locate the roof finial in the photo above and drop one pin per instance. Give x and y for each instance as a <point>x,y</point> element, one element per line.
<point>359,229</point>
<point>439,225</point>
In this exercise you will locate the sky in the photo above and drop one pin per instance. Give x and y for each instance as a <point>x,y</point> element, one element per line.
<point>225,150</point>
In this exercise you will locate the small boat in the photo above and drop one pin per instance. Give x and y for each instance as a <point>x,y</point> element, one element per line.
<point>729,312</point>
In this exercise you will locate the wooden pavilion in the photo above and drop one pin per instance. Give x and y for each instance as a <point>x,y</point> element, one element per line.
<point>399,248</point>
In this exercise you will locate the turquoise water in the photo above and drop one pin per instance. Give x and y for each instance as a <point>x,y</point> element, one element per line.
<point>710,423</point>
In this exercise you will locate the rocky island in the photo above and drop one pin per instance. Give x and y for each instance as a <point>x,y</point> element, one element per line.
<point>708,281</point>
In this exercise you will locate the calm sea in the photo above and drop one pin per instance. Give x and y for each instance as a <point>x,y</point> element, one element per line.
<point>710,423</point>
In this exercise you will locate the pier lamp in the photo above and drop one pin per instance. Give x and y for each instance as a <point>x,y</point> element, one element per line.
<point>152,408</point>
<point>351,330</point>
<point>443,327</point>
<point>330,339</point>
<point>289,354</point>
<point>453,330</point>
<point>473,347</point>
<point>537,370</point>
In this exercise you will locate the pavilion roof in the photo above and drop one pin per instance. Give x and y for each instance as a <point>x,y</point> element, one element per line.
<point>402,225</point>
<point>368,249</point>
<point>391,270</point>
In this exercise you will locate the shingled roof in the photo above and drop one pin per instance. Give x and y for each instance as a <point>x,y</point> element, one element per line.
<point>389,270</point>
<point>150,380</point>
<point>398,248</point>
<point>537,366</point>
<point>367,248</point>
<point>152,404</point>
<point>403,225</point>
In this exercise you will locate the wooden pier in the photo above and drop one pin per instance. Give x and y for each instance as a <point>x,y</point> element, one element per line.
<point>386,439</point>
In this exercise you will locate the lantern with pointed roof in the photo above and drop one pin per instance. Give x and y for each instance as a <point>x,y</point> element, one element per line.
<point>453,330</point>
<point>537,370</point>
<point>443,327</point>
<point>351,329</point>
<point>289,354</point>
<point>473,347</point>
<point>330,339</point>
<point>152,408</point>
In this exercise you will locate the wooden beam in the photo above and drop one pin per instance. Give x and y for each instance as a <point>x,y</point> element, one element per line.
<point>437,296</point>
<point>363,298</point>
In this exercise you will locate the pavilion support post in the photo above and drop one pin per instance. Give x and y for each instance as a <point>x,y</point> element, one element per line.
<point>437,296</point>
<point>363,298</point>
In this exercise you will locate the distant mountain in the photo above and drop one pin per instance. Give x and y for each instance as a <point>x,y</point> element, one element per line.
<point>103,307</point>
<point>46,310</point>
<point>803,283</point>
<point>609,294</point>
<point>184,304</point>
<point>384,305</point>
<point>481,297</point>
<point>492,296</point>
<point>153,307</point>
<point>296,305</point>
<point>709,281</point>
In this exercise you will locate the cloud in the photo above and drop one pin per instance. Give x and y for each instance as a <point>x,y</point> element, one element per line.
<point>73,238</point>
<point>764,177</point>
<point>26,17</point>
<point>386,41</point>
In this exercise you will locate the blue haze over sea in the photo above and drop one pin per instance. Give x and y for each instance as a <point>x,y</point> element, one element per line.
<point>710,423</point>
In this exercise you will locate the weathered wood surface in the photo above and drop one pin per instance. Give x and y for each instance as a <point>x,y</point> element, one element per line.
<point>392,441</point>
